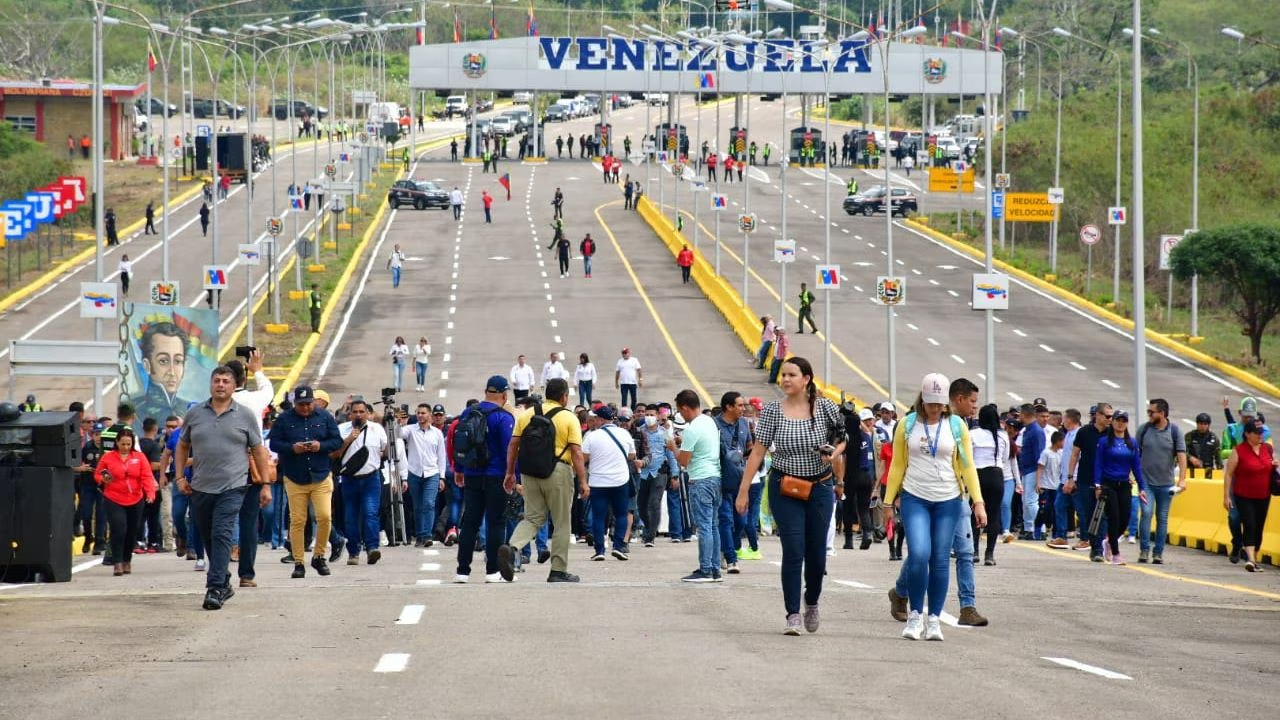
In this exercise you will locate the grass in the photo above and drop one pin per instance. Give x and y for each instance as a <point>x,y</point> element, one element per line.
<point>128,189</point>
<point>1217,324</point>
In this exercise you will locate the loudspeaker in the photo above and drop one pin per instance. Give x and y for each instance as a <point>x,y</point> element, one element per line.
<point>36,512</point>
<point>50,439</point>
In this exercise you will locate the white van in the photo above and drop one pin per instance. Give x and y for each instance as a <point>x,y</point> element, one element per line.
<point>455,105</point>
<point>384,112</point>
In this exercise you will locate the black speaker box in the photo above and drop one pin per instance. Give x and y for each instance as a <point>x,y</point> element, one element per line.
<point>49,439</point>
<point>37,505</point>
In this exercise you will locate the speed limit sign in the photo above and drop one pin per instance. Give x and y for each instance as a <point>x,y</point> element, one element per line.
<point>1090,235</point>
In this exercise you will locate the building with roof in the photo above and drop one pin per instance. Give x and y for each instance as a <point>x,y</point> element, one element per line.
<point>52,110</point>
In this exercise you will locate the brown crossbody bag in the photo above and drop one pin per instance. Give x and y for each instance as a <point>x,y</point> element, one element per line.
<point>799,488</point>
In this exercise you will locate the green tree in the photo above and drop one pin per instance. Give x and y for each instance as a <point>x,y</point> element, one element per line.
<point>1245,258</point>
<point>26,164</point>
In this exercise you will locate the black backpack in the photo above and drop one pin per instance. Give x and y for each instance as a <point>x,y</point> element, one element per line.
<point>471,440</point>
<point>538,456</point>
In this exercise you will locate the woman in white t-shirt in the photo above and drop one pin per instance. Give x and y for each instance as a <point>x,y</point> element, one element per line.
<point>612,454</point>
<point>421,356</point>
<point>932,468</point>
<point>399,351</point>
<point>126,270</point>
<point>585,375</point>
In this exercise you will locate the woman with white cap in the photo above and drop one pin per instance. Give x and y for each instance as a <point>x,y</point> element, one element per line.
<point>932,469</point>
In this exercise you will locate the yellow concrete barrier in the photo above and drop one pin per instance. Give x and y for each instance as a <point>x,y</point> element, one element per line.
<point>276,329</point>
<point>297,294</point>
<point>329,245</point>
<point>315,268</point>
<point>1197,519</point>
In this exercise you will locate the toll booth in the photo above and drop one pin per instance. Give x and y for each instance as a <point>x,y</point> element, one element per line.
<point>804,138</point>
<point>604,136</point>
<point>738,142</point>
<point>671,138</point>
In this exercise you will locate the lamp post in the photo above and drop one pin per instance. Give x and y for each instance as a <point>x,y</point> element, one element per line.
<point>1139,250</point>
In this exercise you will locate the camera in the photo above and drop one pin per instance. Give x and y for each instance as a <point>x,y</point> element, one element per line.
<point>245,351</point>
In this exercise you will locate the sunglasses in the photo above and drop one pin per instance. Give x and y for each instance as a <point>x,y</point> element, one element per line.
<point>1108,417</point>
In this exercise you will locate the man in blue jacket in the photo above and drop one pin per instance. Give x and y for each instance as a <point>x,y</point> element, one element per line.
<point>303,439</point>
<point>1030,445</point>
<point>480,478</point>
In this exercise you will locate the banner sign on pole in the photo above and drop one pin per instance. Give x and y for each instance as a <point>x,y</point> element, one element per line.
<point>98,300</point>
<point>828,277</point>
<point>784,251</point>
<point>891,290</point>
<point>990,291</point>
<point>165,292</point>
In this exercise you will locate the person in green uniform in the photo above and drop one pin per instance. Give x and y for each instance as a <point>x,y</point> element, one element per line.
<point>314,305</point>
<point>806,308</point>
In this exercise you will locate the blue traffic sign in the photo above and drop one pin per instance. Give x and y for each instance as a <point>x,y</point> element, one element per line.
<point>997,204</point>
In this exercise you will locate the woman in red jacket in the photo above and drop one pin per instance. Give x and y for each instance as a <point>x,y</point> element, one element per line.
<point>685,261</point>
<point>1247,488</point>
<point>126,479</point>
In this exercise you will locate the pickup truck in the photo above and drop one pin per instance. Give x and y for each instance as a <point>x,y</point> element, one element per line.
<point>421,194</point>
<point>656,98</point>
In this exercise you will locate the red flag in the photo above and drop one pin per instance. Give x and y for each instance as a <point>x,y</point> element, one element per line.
<point>505,182</point>
<point>457,27</point>
<point>151,59</point>
<point>493,22</point>
<point>421,36</point>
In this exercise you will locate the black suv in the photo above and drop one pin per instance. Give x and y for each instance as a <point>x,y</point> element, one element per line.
<point>421,194</point>
<point>871,201</point>
<point>280,108</point>
<point>157,107</point>
<point>200,108</point>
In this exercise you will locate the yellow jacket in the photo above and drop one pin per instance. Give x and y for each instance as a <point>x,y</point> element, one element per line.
<point>961,463</point>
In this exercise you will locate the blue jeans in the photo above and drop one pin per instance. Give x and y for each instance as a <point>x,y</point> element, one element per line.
<point>273,516</point>
<point>774,368</point>
<point>398,373</point>
<point>704,504</point>
<point>930,528</point>
<point>424,490</point>
<point>1006,506</point>
<point>584,391</point>
<point>1030,502</point>
<point>395,277</point>
<point>1062,506</point>
<point>802,526</point>
<point>604,499</point>
<point>361,500</point>
<point>248,532</point>
<point>455,502</point>
<point>215,521</point>
<point>763,353</point>
<point>93,512</point>
<point>1134,513</point>
<point>751,521</point>
<point>1161,497</point>
<point>966,586</point>
<point>730,524</point>
<point>586,264</point>
<point>420,373</point>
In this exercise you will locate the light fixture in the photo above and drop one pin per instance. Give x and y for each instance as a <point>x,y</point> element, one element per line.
<point>776,32</point>
<point>1233,33</point>
<point>1062,33</point>
<point>860,35</point>
<point>1009,31</point>
<point>911,32</point>
<point>608,29</point>
<point>782,5</point>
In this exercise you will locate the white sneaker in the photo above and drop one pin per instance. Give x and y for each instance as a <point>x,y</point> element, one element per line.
<point>461,579</point>
<point>1132,539</point>
<point>199,566</point>
<point>914,628</point>
<point>933,628</point>
<point>496,578</point>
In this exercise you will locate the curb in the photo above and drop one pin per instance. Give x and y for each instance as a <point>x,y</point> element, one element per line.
<point>1158,338</point>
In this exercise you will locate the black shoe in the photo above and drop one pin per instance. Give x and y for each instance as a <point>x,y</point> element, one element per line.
<point>299,571</point>
<point>543,556</point>
<point>287,559</point>
<point>1096,557</point>
<point>334,555</point>
<point>428,542</point>
<point>866,542</point>
<point>419,543</point>
<point>319,564</point>
<point>212,600</point>
<point>225,593</point>
<point>507,562</point>
<point>561,576</point>
<point>1235,555</point>
<point>374,556</point>
<point>989,559</point>
<point>848,543</point>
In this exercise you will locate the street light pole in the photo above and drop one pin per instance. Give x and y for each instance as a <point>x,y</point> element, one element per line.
<point>1139,251</point>
<point>98,194</point>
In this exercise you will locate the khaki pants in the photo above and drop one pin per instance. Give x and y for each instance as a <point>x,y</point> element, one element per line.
<point>552,495</point>
<point>320,496</point>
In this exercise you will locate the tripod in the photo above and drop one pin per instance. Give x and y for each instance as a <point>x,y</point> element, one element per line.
<point>397,533</point>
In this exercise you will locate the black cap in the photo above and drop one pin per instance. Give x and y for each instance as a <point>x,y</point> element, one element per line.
<point>1040,401</point>
<point>1204,418</point>
<point>438,409</point>
<point>1120,415</point>
<point>303,393</point>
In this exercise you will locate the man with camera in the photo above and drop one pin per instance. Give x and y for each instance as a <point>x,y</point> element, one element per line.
<point>303,439</point>
<point>364,446</point>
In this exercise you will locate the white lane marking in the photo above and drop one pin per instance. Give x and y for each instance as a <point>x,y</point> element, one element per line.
<point>1019,333</point>
<point>912,326</point>
<point>932,281</point>
<point>933,342</point>
<point>392,663</point>
<point>429,567</point>
<point>555,323</point>
<point>448,339</point>
<point>357,294</point>
<point>444,374</point>
<point>916,272</point>
<point>778,563</point>
<point>429,581</point>
<point>982,376</point>
<point>446,357</point>
<point>553,310</point>
<point>857,288</point>
<point>430,552</point>
<point>997,319</point>
<point>448,325</point>
<point>1077,365</point>
<point>853,584</point>
<point>900,262</point>
<point>958,359</point>
<point>411,615</point>
<point>953,293</point>
<point>443,394</point>
<point>557,339</point>
<point>844,277</point>
<point>1091,669</point>
<point>75,569</point>
<point>1016,397</point>
<point>949,619</point>
<point>1046,348</point>
<point>816,258</point>
<point>1110,384</point>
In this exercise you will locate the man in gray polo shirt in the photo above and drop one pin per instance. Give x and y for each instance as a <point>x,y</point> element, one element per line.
<point>219,435</point>
<point>1163,449</point>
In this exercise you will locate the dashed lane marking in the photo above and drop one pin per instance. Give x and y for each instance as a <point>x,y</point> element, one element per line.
<point>953,293</point>
<point>1091,669</point>
<point>429,567</point>
<point>429,582</point>
<point>1015,396</point>
<point>1110,384</point>
<point>411,615</point>
<point>1046,348</point>
<point>958,359</point>
<point>1077,365</point>
<point>392,663</point>
<point>1019,333</point>
<point>854,584</point>
<point>933,342</point>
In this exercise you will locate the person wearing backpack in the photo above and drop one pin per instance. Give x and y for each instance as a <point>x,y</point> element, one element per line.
<point>480,441</point>
<point>548,445</point>
<point>735,442</point>
<point>1162,449</point>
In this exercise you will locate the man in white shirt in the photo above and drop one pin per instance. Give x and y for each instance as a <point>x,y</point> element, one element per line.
<point>552,369</point>
<point>425,452</point>
<point>361,482</point>
<point>521,378</point>
<point>455,201</point>
<point>394,264</point>
<point>610,451</point>
<point>628,377</point>
<point>245,553</point>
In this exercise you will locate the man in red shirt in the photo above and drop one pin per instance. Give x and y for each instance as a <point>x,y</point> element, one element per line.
<point>487,199</point>
<point>685,261</point>
<point>711,169</point>
<point>588,250</point>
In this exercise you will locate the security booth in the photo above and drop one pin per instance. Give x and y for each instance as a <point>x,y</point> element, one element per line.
<point>604,136</point>
<point>806,144</point>
<point>671,138</point>
<point>738,142</point>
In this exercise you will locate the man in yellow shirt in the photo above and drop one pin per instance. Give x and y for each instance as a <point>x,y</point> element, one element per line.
<point>551,494</point>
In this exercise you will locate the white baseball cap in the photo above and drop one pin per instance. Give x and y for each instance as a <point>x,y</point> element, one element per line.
<point>934,388</point>
<point>866,414</point>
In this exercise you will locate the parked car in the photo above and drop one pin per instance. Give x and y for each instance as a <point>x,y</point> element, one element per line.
<point>555,113</point>
<point>200,108</point>
<point>871,201</point>
<point>522,98</point>
<point>157,107</point>
<point>456,105</point>
<point>421,194</point>
<point>280,108</point>
<point>522,117</point>
<point>503,125</point>
<point>229,110</point>
<point>483,104</point>
<point>656,98</point>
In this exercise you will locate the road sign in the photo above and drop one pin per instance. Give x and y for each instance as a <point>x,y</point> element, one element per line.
<point>250,254</point>
<point>1002,180</point>
<point>891,290</point>
<point>948,180</point>
<point>1090,234</point>
<point>98,300</point>
<point>275,226</point>
<point>215,277</point>
<point>990,291</point>
<point>747,222</point>
<point>960,166</point>
<point>1056,196</point>
<point>828,277</point>
<point>1117,215</point>
<point>997,204</point>
<point>1029,207</point>
<point>1167,244</point>
<point>165,292</point>
<point>203,131</point>
<point>784,251</point>
<point>719,201</point>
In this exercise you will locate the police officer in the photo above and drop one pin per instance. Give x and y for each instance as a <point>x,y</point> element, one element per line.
<point>314,306</point>
<point>31,405</point>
